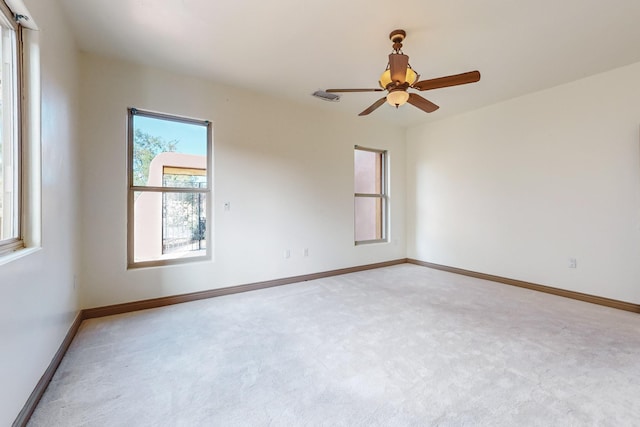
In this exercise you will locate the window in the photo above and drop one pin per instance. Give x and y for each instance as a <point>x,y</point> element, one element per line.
<point>169,188</point>
<point>11,170</point>
<point>370,204</point>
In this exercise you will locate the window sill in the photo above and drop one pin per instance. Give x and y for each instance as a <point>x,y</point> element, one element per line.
<point>17,254</point>
<point>168,262</point>
<point>371,242</point>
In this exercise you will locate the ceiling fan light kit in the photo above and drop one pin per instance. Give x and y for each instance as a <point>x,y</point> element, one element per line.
<point>397,97</point>
<point>411,77</point>
<point>399,77</point>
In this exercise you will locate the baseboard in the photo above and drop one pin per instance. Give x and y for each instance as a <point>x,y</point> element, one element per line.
<point>608,302</point>
<point>27,410</point>
<point>177,299</point>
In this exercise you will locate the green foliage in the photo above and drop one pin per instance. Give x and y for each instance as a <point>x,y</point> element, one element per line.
<point>145,148</point>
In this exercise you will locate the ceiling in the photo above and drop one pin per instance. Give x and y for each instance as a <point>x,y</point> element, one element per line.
<point>290,48</point>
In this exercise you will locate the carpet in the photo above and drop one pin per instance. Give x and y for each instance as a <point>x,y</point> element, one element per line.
<point>397,346</point>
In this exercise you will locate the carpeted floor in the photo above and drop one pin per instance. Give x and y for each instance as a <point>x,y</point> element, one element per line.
<point>397,346</point>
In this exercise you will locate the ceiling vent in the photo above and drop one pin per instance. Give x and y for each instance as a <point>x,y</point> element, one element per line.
<point>326,96</point>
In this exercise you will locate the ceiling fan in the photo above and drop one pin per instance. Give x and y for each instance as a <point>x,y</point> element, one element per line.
<point>399,76</point>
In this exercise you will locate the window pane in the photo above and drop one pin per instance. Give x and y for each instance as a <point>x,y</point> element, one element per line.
<point>368,172</point>
<point>368,218</point>
<point>169,225</point>
<point>168,153</point>
<point>9,166</point>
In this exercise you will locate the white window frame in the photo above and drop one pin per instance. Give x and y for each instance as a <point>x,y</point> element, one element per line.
<point>131,263</point>
<point>383,196</point>
<point>15,242</point>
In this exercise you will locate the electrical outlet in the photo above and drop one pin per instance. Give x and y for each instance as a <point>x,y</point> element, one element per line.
<point>227,206</point>
<point>573,263</point>
<point>306,252</point>
<point>287,253</point>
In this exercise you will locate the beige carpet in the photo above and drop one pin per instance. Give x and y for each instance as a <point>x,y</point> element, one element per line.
<point>398,346</point>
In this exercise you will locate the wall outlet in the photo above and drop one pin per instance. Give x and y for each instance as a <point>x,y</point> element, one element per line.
<point>573,263</point>
<point>305,252</point>
<point>227,206</point>
<point>287,253</point>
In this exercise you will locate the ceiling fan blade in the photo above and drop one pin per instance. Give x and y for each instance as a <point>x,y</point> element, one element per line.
<point>454,80</point>
<point>423,104</point>
<point>398,64</point>
<point>373,106</point>
<point>354,90</point>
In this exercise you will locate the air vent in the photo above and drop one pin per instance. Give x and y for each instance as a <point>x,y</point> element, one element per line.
<point>326,96</point>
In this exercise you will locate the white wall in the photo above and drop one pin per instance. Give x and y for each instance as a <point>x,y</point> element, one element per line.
<point>517,188</point>
<point>37,300</point>
<point>286,170</point>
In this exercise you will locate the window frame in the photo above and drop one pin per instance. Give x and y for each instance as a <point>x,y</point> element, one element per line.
<point>132,189</point>
<point>15,243</point>
<point>383,196</point>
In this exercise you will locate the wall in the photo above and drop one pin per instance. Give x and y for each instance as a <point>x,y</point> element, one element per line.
<point>517,188</point>
<point>286,170</point>
<point>37,298</point>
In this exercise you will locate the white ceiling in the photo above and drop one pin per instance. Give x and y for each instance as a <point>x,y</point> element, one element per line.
<point>290,48</point>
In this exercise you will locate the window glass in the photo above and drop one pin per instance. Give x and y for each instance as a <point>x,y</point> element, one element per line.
<point>368,216</point>
<point>159,143</point>
<point>368,166</point>
<point>169,225</point>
